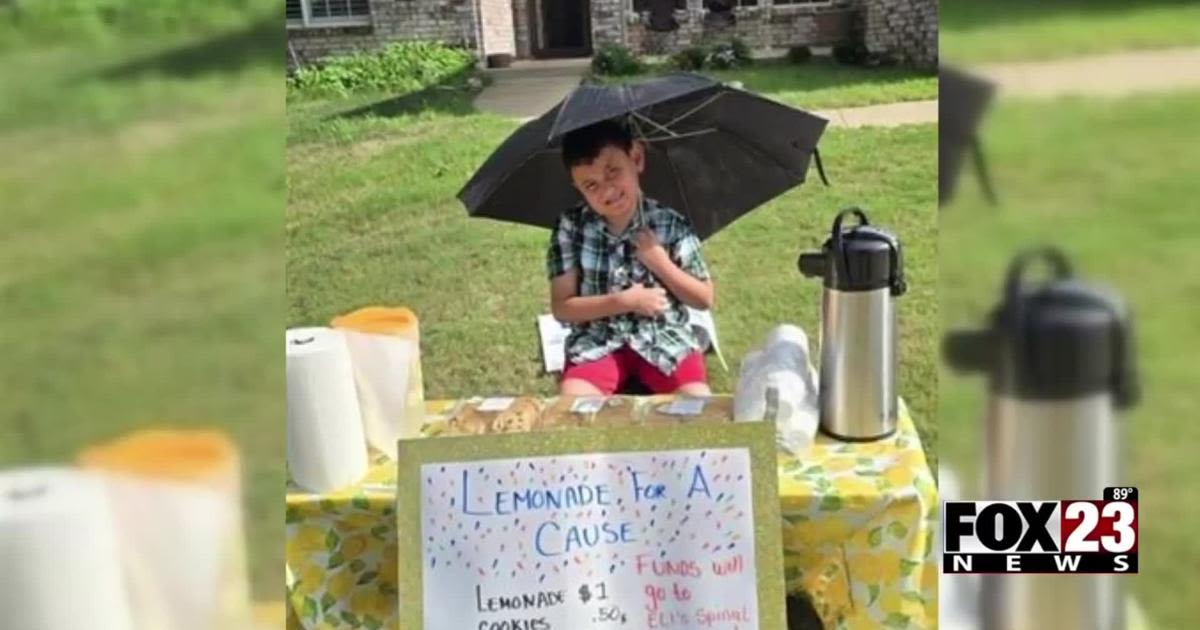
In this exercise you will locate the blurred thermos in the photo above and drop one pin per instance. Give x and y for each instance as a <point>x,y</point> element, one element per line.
<point>1059,358</point>
<point>863,271</point>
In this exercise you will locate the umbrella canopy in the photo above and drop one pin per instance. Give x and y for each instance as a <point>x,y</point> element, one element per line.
<point>713,152</point>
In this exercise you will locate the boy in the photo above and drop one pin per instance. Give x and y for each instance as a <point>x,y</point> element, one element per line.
<point>621,270</point>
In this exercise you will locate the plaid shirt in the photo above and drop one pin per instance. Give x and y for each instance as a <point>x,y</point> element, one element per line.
<point>608,264</point>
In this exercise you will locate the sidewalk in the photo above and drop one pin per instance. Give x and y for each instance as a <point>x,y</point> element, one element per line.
<point>1117,74</point>
<point>889,115</point>
<point>1109,75</point>
<point>527,90</point>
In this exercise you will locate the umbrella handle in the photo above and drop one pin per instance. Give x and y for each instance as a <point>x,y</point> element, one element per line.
<point>820,167</point>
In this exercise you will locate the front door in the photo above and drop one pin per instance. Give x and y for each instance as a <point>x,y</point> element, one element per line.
<point>561,28</point>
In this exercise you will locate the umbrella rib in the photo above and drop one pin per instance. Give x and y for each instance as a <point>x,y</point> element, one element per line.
<point>562,107</point>
<point>681,136</point>
<point>638,116</point>
<point>696,108</point>
<point>634,124</point>
<point>687,205</point>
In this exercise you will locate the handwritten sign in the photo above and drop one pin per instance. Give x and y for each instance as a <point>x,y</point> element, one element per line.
<point>655,528</point>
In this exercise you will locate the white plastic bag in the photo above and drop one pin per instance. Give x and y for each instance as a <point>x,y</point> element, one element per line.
<point>778,384</point>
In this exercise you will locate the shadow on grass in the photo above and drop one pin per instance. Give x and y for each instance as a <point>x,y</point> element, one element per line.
<point>450,96</point>
<point>262,42</point>
<point>967,15</point>
<point>818,74</point>
<point>779,75</point>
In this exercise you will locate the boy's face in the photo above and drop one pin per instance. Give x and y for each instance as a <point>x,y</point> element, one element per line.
<point>609,183</point>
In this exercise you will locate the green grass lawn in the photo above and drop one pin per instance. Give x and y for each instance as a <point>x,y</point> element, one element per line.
<point>372,218</point>
<point>141,264</point>
<point>976,31</point>
<point>1092,178</point>
<point>823,83</point>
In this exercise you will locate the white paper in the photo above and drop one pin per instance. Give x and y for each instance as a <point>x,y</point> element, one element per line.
<point>553,337</point>
<point>685,407</point>
<point>383,369</point>
<point>641,536</point>
<point>587,405</point>
<point>165,525</point>
<point>495,404</point>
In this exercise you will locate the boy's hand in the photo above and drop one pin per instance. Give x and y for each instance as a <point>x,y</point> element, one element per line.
<point>646,301</point>
<point>649,251</point>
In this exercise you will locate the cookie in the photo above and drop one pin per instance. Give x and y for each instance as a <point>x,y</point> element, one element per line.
<point>520,417</point>
<point>475,417</point>
<point>469,421</point>
<point>560,415</point>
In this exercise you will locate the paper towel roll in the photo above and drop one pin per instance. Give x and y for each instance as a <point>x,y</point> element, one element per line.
<point>382,369</point>
<point>58,552</point>
<point>326,448</point>
<point>176,496</point>
<point>400,323</point>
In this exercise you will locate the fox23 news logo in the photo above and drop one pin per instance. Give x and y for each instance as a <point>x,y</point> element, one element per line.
<point>1042,536</point>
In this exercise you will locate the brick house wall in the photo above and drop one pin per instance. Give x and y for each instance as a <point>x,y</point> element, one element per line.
<point>903,29</point>
<point>766,26</point>
<point>906,30</point>
<point>450,21</point>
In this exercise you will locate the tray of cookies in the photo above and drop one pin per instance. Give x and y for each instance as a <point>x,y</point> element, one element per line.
<point>590,411</point>
<point>495,415</point>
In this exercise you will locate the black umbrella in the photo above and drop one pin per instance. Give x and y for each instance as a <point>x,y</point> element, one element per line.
<point>713,152</point>
<point>963,100</point>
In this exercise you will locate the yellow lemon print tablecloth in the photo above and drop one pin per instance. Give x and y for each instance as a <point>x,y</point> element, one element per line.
<point>859,521</point>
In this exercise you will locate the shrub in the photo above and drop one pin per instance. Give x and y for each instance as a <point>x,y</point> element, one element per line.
<point>741,51</point>
<point>722,58</point>
<point>401,68</point>
<point>690,59</point>
<point>851,54</point>
<point>799,54</point>
<point>732,54</point>
<point>615,61</point>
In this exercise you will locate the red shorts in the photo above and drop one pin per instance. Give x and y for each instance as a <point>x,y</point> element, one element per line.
<point>610,373</point>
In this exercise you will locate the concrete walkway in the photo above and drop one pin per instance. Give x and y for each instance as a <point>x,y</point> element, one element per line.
<point>528,89</point>
<point>1116,74</point>
<point>1109,75</point>
<point>889,115</point>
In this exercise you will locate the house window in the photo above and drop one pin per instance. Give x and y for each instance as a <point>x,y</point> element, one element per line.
<point>728,5</point>
<point>317,13</point>
<point>643,6</point>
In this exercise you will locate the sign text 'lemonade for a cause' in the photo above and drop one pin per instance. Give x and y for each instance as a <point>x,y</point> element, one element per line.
<point>624,540</point>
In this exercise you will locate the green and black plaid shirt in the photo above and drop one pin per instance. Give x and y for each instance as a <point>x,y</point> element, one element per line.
<point>608,264</point>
